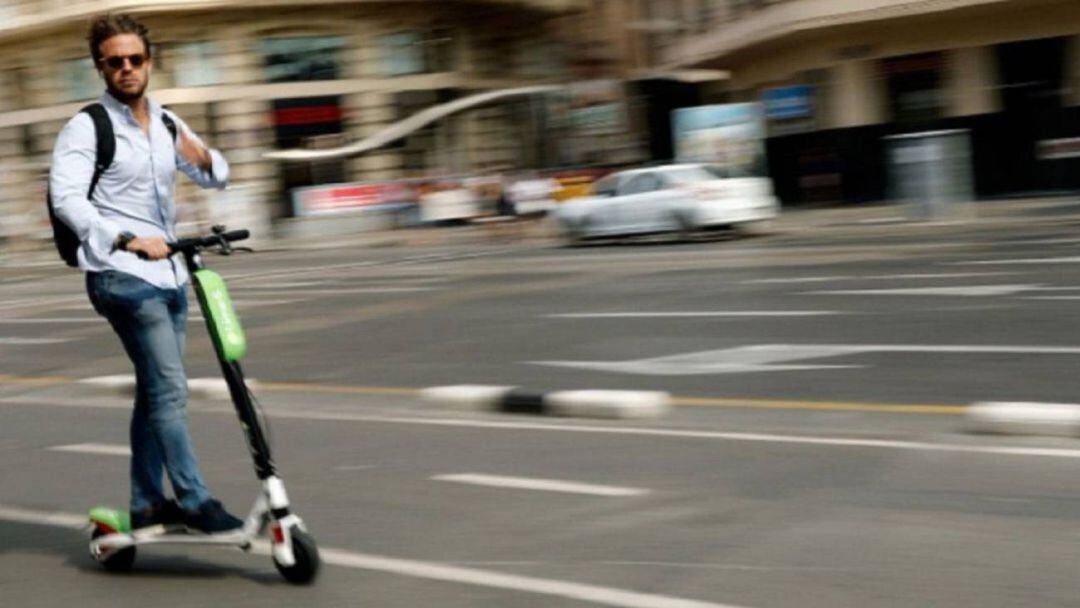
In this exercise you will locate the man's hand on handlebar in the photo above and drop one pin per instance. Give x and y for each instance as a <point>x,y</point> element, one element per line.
<point>149,247</point>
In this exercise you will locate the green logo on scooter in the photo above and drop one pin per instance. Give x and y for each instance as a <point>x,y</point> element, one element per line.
<point>220,315</point>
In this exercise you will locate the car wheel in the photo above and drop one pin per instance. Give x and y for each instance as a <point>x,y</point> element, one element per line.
<point>686,230</point>
<point>758,228</point>
<point>574,233</point>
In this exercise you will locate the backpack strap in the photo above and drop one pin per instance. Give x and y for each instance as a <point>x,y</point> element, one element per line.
<point>170,124</point>
<point>106,140</point>
<point>106,143</point>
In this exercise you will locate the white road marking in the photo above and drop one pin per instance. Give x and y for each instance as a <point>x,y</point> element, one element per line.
<point>892,219</point>
<point>258,303</point>
<point>572,427</point>
<point>304,287</point>
<point>692,314</point>
<point>714,566</point>
<point>794,280</point>
<point>773,357</point>
<point>967,290</point>
<point>103,449</point>
<point>879,277</point>
<point>66,320</point>
<point>608,596</point>
<point>272,286</point>
<point>33,341</point>
<point>44,518</point>
<point>352,290</point>
<point>39,303</point>
<point>548,485</point>
<point>1052,241</point>
<point>53,320</point>
<point>336,269</point>
<point>1061,260</point>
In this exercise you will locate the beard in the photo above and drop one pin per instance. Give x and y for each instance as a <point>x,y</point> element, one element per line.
<point>126,96</point>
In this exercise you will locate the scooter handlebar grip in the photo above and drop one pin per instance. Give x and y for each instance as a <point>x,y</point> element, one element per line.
<point>236,235</point>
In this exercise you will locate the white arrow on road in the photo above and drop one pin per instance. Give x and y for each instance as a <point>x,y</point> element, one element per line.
<point>775,358</point>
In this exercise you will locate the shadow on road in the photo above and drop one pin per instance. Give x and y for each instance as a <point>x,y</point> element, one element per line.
<point>162,562</point>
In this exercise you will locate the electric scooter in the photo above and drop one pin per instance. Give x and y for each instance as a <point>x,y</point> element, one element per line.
<point>294,552</point>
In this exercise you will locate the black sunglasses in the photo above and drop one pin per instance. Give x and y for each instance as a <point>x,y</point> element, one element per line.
<point>116,62</point>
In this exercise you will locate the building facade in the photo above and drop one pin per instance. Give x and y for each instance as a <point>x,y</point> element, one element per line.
<point>255,76</point>
<point>838,77</point>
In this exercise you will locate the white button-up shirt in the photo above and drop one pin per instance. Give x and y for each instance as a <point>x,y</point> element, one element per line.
<point>135,194</point>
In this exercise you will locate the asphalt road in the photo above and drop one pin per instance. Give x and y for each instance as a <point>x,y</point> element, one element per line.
<point>792,474</point>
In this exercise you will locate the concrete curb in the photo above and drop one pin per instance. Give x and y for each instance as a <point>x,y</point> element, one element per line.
<point>213,389</point>
<point>577,404</point>
<point>1025,418</point>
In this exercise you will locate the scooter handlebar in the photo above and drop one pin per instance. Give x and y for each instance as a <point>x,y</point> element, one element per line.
<point>204,242</point>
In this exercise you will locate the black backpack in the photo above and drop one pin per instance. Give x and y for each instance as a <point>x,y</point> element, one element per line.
<point>67,242</point>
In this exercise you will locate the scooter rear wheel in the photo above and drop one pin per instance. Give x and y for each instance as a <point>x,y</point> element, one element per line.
<point>306,554</point>
<point>121,561</point>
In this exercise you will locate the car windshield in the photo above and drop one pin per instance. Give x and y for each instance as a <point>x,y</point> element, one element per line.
<point>689,175</point>
<point>717,171</point>
<point>606,186</point>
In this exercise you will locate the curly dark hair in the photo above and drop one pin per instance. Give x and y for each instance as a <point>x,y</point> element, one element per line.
<point>106,26</point>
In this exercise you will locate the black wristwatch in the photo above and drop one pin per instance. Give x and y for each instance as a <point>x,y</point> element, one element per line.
<point>122,240</point>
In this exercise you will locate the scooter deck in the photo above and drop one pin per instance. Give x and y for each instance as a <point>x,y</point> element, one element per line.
<point>116,523</point>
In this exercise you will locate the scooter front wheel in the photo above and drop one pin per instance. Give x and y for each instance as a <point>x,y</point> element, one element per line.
<point>121,561</point>
<point>306,554</point>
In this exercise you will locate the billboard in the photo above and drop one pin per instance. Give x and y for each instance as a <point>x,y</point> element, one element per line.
<point>731,136</point>
<point>786,103</point>
<point>346,198</point>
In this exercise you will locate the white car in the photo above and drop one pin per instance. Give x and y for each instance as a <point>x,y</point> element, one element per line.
<point>672,198</point>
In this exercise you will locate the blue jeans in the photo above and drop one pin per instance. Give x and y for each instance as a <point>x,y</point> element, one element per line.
<point>151,323</point>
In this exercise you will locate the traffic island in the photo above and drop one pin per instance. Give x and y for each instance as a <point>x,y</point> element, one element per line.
<point>606,404</point>
<point>1025,418</point>
<point>213,389</point>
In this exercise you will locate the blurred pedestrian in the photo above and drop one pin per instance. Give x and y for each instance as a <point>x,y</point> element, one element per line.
<point>533,198</point>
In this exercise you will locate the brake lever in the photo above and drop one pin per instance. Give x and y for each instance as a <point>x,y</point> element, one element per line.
<point>231,250</point>
<point>224,247</point>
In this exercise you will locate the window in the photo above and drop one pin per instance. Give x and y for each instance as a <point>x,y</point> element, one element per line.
<point>302,58</point>
<point>417,149</point>
<point>641,184</point>
<point>915,84</point>
<point>688,175</point>
<point>440,54</point>
<point>543,58</point>
<point>195,64</point>
<point>401,54</point>
<point>410,52</point>
<point>606,186</point>
<point>79,80</point>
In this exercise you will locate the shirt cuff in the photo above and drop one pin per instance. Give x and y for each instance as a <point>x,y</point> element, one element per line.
<point>103,235</point>
<point>219,168</point>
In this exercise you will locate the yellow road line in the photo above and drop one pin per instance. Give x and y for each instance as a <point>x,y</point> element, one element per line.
<point>714,402</point>
<point>734,403</point>
<point>35,380</point>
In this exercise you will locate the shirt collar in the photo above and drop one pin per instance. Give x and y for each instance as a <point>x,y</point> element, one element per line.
<point>115,104</point>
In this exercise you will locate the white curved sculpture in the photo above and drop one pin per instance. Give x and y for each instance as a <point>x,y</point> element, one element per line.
<point>409,125</point>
